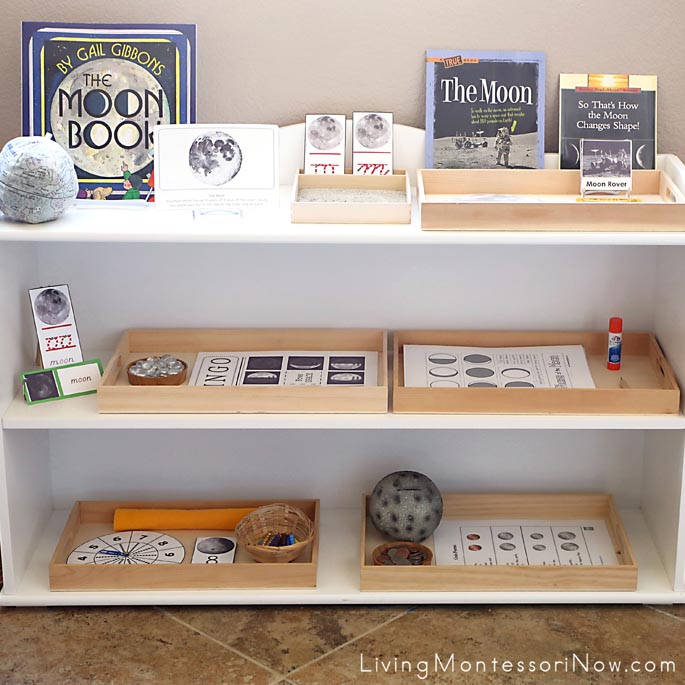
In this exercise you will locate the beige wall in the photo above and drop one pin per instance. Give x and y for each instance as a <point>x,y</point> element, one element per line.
<point>273,61</point>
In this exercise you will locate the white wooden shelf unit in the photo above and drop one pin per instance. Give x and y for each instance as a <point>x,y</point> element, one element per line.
<point>132,268</point>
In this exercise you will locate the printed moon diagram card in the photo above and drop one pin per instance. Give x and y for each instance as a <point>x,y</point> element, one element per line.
<point>606,166</point>
<point>53,316</point>
<point>523,543</point>
<point>307,368</point>
<point>324,144</point>
<point>607,107</point>
<point>100,89</point>
<point>551,366</point>
<point>372,143</point>
<point>216,166</point>
<point>485,109</point>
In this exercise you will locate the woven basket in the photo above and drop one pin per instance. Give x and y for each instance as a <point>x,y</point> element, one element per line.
<point>275,518</point>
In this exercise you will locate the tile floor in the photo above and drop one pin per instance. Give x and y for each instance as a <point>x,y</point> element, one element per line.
<point>334,645</point>
<point>340,645</point>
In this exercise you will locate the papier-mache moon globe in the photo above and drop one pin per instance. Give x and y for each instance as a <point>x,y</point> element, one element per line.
<point>37,180</point>
<point>405,505</point>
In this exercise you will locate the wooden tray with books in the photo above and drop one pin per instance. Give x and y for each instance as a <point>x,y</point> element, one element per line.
<point>544,200</point>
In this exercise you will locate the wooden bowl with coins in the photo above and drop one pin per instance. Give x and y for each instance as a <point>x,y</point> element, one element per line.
<point>402,554</point>
<point>164,370</point>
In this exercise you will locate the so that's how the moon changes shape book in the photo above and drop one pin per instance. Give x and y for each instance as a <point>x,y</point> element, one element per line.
<point>607,107</point>
<point>100,90</point>
<point>485,109</point>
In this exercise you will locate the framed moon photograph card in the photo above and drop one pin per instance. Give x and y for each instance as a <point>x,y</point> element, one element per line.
<point>53,316</point>
<point>372,143</point>
<point>324,144</point>
<point>216,166</point>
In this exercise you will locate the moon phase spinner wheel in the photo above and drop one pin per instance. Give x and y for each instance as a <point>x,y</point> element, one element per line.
<point>129,547</point>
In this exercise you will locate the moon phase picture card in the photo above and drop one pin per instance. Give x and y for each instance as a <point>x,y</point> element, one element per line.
<point>219,166</point>
<point>53,316</point>
<point>372,143</point>
<point>324,144</point>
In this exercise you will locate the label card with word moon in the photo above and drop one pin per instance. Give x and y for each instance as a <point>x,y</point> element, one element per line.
<point>60,382</point>
<point>324,144</point>
<point>216,166</point>
<point>372,143</point>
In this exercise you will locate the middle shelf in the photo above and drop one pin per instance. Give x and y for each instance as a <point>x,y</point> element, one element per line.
<point>80,413</point>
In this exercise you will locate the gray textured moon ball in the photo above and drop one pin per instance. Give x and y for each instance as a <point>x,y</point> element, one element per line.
<point>37,180</point>
<point>373,131</point>
<point>325,133</point>
<point>52,306</point>
<point>215,158</point>
<point>406,505</point>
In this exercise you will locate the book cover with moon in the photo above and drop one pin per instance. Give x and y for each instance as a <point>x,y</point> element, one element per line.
<point>100,90</point>
<point>485,110</point>
<point>607,107</point>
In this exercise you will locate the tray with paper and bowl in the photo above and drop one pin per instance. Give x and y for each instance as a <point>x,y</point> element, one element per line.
<point>645,383</point>
<point>158,552</point>
<point>590,527</point>
<point>545,200</point>
<point>362,394</point>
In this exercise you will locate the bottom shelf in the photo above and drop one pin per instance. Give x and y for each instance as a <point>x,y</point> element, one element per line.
<point>338,578</point>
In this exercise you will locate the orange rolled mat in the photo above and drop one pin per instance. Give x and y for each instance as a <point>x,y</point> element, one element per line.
<point>178,519</point>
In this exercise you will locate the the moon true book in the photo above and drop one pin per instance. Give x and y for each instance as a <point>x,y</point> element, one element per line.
<point>485,109</point>
<point>100,90</point>
<point>607,107</point>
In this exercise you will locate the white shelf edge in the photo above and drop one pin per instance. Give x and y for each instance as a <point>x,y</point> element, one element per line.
<point>338,578</point>
<point>148,225</point>
<point>80,413</point>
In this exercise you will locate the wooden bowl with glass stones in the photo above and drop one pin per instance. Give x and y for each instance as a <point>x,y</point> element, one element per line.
<point>163,370</point>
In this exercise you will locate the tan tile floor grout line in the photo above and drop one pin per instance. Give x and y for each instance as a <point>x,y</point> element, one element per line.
<point>279,677</point>
<point>665,613</point>
<point>349,642</point>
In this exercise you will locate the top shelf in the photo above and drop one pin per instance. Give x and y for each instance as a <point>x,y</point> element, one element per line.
<point>136,222</point>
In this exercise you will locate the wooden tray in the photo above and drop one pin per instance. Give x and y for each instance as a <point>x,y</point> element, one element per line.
<point>622,577</point>
<point>645,383</point>
<point>544,200</point>
<point>115,395</point>
<point>351,212</point>
<point>90,519</point>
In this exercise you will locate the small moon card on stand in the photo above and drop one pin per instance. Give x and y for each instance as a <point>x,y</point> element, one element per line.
<point>216,166</point>
<point>372,143</point>
<point>606,167</point>
<point>214,550</point>
<point>53,316</point>
<point>324,144</point>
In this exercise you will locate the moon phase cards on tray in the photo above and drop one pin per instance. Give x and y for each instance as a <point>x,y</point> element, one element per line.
<point>219,369</point>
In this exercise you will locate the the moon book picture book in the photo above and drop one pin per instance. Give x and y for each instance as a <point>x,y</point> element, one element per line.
<point>485,109</point>
<point>100,90</point>
<point>607,107</point>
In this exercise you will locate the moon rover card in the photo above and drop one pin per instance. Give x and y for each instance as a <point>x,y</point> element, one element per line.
<point>606,167</point>
<point>324,144</point>
<point>372,143</point>
<point>216,166</point>
<point>53,315</point>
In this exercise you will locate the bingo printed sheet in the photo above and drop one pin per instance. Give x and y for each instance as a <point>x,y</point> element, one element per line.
<point>561,366</point>
<point>221,369</point>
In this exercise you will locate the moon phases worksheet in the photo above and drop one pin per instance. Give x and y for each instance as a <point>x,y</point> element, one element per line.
<point>560,366</point>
